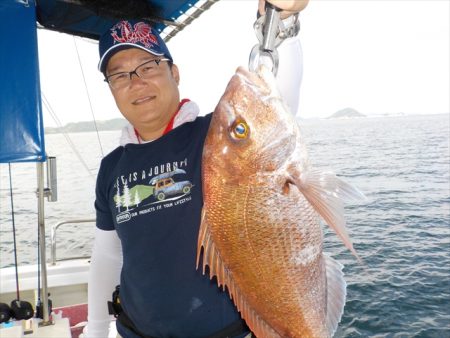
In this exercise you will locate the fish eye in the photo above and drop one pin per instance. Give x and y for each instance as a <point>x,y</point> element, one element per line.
<point>240,129</point>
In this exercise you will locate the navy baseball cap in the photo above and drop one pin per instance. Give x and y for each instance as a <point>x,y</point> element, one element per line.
<point>130,34</point>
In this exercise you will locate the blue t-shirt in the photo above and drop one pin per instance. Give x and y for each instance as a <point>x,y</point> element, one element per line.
<point>151,194</point>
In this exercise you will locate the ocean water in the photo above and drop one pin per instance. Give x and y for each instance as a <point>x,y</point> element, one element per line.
<point>401,232</point>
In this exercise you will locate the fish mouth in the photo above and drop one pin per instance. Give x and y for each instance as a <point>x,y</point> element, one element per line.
<point>249,77</point>
<point>243,72</point>
<point>143,100</point>
<point>259,80</point>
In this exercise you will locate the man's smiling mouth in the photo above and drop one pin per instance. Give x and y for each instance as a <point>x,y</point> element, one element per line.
<point>143,100</point>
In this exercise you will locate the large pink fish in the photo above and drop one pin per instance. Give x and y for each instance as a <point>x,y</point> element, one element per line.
<point>260,230</point>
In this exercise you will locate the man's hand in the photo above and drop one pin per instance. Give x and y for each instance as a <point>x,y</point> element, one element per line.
<point>289,7</point>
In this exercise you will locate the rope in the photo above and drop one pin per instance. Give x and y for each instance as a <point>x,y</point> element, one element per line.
<point>14,231</point>
<point>88,96</point>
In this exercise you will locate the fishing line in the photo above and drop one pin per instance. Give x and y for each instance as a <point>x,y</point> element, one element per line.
<point>88,96</point>
<point>51,111</point>
<point>19,309</point>
<point>14,231</point>
<point>66,136</point>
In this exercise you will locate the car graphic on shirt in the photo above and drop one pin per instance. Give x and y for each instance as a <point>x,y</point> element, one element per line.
<point>166,186</point>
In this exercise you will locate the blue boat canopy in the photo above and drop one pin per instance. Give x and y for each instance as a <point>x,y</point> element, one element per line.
<point>90,18</point>
<point>22,131</point>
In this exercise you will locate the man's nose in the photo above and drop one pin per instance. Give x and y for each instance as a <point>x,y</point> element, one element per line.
<point>136,79</point>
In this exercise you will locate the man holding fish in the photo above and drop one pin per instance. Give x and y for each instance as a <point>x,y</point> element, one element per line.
<point>166,156</point>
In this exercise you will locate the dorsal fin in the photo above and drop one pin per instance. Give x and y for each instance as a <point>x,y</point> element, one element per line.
<point>336,293</point>
<point>212,258</point>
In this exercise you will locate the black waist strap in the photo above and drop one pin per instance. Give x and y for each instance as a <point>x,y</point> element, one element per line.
<point>233,330</point>
<point>125,321</point>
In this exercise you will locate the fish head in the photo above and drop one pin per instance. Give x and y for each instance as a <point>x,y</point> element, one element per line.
<point>251,129</point>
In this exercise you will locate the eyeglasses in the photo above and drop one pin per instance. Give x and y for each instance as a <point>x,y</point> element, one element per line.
<point>143,71</point>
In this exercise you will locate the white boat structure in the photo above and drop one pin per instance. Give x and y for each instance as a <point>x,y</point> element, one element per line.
<point>21,110</point>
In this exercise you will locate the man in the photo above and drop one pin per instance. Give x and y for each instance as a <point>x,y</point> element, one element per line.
<point>149,192</point>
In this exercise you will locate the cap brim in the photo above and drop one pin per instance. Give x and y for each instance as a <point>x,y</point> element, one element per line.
<point>116,48</point>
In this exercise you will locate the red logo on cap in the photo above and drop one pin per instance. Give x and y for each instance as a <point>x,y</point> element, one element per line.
<point>139,33</point>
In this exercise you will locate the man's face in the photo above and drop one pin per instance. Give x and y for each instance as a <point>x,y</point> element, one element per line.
<point>148,104</point>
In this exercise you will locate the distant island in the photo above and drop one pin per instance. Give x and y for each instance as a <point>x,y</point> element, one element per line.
<point>119,123</point>
<point>346,113</point>
<point>77,127</point>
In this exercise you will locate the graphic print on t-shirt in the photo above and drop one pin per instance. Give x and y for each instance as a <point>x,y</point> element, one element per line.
<point>150,190</point>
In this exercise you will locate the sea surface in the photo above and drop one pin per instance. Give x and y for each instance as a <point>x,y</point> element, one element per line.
<point>401,232</point>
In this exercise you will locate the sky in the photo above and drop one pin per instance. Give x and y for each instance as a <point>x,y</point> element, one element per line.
<point>376,56</point>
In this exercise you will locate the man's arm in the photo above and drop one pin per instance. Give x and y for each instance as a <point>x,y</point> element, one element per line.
<point>104,275</point>
<point>290,68</point>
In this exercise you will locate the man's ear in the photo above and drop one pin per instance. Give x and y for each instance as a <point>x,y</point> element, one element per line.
<point>175,74</point>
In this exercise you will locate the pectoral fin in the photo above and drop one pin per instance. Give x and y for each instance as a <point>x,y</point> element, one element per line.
<point>326,193</point>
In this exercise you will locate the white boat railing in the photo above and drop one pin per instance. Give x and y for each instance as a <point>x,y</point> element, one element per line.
<point>53,258</point>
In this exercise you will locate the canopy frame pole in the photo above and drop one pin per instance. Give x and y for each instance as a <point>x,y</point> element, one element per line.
<point>42,247</point>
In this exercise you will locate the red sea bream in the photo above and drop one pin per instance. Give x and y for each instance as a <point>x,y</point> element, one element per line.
<point>260,232</point>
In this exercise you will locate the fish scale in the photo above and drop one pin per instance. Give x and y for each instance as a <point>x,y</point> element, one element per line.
<point>264,243</point>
